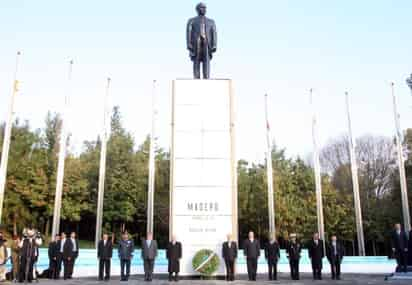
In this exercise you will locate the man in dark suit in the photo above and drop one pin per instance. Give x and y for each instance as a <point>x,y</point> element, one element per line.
<point>74,254</point>
<point>335,253</point>
<point>149,254</point>
<point>60,261</point>
<point>251,250</point>
<point>125,250</point>
<point>104,254</point>
<point>174,254</point>
<point>272,255</point>
<point>54,270</point>
<point>66,255</point>
<point>316,254</point>
<point>399,244</point>
<point>229,254</point>
<point>293,251</point>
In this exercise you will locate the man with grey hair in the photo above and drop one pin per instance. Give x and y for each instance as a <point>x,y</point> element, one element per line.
<point>149,254</point>
<point>229,254</point>
<point>251,250</point>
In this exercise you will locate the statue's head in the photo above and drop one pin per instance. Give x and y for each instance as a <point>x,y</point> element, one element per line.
<point>201,9</point>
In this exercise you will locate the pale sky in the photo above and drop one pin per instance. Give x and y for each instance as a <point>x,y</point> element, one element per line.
<point>283,48</point>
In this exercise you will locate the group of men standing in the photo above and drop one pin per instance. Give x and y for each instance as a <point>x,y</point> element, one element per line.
<point>334,253</point>
<point>149,251</point>
<point>63,251</point>
<point>251,248</point>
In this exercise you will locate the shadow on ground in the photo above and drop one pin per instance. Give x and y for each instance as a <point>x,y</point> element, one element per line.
<point>361,279</point>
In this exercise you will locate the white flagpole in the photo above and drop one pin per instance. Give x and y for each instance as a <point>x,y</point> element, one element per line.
<point>152,166</point>
<point>401,163</point>
<point>316,163</point>
<point>355,182</point>
<point>62,157</point>
<point>7,135</point>
<point>269,173</point>
<point>102,170</point>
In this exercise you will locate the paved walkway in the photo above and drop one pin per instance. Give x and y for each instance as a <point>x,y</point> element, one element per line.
<point>359,279</point>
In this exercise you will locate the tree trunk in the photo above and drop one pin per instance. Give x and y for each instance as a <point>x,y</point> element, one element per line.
<point>374,248</point>
<point>15,224</point>
<point>47,229</point>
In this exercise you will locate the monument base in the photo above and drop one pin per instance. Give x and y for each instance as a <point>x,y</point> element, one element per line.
<point>203,185</point>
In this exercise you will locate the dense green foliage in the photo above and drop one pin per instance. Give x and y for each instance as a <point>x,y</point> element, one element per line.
<point>31,182</point>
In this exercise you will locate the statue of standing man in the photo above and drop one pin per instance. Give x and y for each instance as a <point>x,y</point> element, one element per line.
<point>201,39</point>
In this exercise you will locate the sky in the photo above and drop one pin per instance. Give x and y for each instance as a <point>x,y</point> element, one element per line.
<point>282,48</point>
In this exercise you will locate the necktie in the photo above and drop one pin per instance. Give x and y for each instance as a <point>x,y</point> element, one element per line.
<point>203,28</point>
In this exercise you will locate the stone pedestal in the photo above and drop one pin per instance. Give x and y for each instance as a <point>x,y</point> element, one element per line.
<point>203,186</point>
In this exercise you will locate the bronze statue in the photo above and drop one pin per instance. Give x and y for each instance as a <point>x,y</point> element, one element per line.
<point>201,39</point>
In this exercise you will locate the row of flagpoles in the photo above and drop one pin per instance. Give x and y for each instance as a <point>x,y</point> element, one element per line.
<point>105,134</point>
<point>151,185</point>
<point>354,171</point>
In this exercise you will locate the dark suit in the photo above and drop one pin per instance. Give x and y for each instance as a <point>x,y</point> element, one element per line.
<point>75,255</point>
<point>68,254</point>
<point>201,43</point>
<point>149,254</point>
<point>104,253</point>
<point>229,254</point>
<point>316,254</point>
<point>251,251</point>
<point>399,242</point>
<point>54,263</point>
<point>293,251</point>
<point>272,255</point>
<point>335,254</point>
<point>174,254</point>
